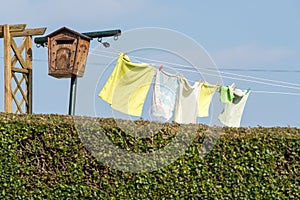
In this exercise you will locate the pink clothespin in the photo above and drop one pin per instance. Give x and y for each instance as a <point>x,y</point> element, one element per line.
<point>160,68</point>
<point>200,82</point>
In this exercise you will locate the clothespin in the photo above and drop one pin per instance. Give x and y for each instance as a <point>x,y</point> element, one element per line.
<point>233,86</point>
<point>200,82</point>
<point>160,68</point>
<point>218,84</point>
<point>218,87</point>
<point>248,90</point>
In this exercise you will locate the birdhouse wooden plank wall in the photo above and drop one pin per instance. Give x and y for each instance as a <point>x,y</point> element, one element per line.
<point>67,53</point>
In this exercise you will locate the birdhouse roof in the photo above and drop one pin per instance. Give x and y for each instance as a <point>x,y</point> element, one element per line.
<point>68,30</point>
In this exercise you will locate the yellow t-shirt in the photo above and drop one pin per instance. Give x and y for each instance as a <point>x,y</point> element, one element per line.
<point>127,87</point>
<point>206,93</point>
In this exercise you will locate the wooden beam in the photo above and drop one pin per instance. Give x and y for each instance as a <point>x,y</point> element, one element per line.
<point>18,53</point>
<point>12,28</point>
<point>28,52</point>
<point>28,57</point>
<point>29,32</point>
<point>20,70</point>
<point>29,93</point>
<point>21,48</point>
<point>7,70</point>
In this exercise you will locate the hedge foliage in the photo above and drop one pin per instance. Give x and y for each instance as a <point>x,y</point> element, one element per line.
<point>43,157</point>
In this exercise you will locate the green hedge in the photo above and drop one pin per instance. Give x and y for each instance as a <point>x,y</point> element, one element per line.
<point>42,157</point>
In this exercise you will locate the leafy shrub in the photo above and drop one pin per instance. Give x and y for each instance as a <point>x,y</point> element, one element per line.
<point>43,157</point>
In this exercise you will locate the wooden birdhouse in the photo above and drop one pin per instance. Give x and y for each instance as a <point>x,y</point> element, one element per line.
<point>67,53</point>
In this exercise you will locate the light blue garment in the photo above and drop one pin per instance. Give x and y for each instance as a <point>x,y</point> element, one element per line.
<point>164,95</point>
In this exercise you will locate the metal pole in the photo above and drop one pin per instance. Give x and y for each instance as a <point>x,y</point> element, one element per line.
<point>72,101</point>
<point>96,34</point>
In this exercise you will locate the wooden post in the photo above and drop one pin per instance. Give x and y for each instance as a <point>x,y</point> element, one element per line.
<point>28,52</point>
<point>7,70</point>
<point>9,32</point>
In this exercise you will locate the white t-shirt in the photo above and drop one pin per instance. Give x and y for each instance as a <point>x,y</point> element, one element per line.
<point>233,111</point>
<point>186,108</point>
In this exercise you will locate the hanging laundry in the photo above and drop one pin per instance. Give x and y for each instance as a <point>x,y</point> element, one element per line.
<point>127,86</point>
<point>206,93</point>
<point>232,113</point>
<point>164,95</point>
<point>226,93</point>
<point>186,108</point>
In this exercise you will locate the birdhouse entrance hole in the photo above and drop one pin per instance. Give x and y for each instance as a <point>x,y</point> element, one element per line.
<point>64,42</point>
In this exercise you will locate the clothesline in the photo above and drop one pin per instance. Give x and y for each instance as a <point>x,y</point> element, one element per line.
<point>234,78</point>
<point>255,91</point>
<point>216,70</point>
<point>272,92</point>
<point>205,68</point>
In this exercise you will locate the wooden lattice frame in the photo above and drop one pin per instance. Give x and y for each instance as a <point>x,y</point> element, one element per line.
<point>8,32</point>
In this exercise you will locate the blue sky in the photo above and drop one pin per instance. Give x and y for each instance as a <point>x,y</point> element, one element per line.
<point>251,38</point>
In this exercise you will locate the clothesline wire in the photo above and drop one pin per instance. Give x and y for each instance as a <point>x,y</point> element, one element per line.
<point>254,91</point>
<point>215,70</point>
<point>261,70</point>
<point>212,70</point>
<point>274,92</point>
<point>253,81</point>
<point>115,53</point>
<point>266,92</point>
<point>225,69</point>
<point>241,79</point>
<point>234,78</point>
<point>221,69</point>
<point>193,70</point>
